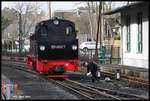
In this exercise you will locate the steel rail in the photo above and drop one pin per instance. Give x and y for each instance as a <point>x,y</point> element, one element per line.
<point>74,89</point>
<point>120,93</point>
<point>18,67</point>
<point>92,89</point>
<point>88,92</point>
<point>44,78</point>
<point>83,94</point>
<point>124,78</point>
<point>130,79</point>
<point>108,91</point>
<point>88,89</point>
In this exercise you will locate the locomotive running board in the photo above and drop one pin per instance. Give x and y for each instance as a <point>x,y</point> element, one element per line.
<point>57,76</point>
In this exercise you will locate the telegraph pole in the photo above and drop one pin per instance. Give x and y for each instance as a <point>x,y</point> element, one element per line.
<point>20,33</point>
<point>100,9</point>
<point>49,9</point>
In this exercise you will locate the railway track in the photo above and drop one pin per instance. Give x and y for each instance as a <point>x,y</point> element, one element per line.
<point>15,59</point>
<point>130,79</point>
<point>84,91</point>
<point>101,92</point>
<point>120,94</point>
<point>87,92</point>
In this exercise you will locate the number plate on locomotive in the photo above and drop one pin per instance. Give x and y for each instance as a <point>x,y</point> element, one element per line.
<point>58,46</point>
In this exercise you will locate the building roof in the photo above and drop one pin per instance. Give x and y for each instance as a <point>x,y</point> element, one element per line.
<point>132,5</point>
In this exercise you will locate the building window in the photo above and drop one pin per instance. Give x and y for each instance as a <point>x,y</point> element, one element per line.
<point>106,29</point>
<point>139,22</point>
<point>128,34</point>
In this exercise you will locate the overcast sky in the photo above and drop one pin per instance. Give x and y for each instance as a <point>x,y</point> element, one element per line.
<point>55,5</point>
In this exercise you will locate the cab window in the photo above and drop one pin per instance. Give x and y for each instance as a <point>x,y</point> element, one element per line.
<point>69,30</point>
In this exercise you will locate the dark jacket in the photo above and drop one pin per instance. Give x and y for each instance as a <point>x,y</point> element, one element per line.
<point>92,67</point>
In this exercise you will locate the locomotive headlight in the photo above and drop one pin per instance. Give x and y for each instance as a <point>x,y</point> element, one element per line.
<point>56,22</point>
<point>42,48</point>
<point>74,47</point>
<point>67,64</point>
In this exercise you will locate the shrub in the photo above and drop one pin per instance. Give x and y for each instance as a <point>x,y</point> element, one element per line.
<point>117,37</point>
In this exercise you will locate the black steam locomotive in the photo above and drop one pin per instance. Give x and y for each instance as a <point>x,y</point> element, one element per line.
<point>54,48</point>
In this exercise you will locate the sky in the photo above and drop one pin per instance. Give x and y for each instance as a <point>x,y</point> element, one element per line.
<point>55,5</point>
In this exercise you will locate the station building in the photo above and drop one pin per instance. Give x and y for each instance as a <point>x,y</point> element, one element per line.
<point>134,38</point>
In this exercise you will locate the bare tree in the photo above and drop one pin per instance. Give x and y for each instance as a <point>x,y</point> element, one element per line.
<point>93,9</point>
<point>29,15</point>
<point>20,7</point>
<point>90,20</point>
<point>93,17</point>
<point>107,6</point>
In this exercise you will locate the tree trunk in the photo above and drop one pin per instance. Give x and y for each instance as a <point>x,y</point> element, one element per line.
<point>90,20</point>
